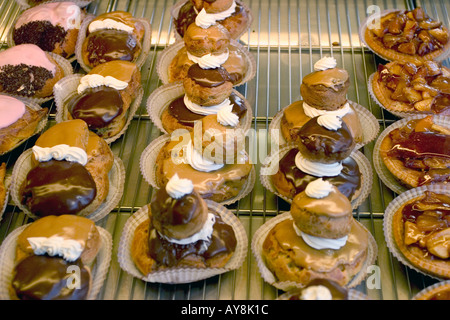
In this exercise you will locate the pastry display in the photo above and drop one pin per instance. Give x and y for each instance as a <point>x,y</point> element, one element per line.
<point>438,291</point>
<point>233,15</point>
<point>51,26</point>
<point>408,36</point>
<point>69,174</point>
<point>111,36</point>
<point>319,240</point>
<point>181,232</point>
<point>417,152</point>
<point>421,232</point>
<point>323,92</point>
<point>104,97</point>
<point>406,87</point>
<point>18,121</point>
<point>26,70</point>
<point>46,249</point>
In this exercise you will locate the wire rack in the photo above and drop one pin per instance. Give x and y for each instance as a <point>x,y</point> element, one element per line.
<point>286,38</point>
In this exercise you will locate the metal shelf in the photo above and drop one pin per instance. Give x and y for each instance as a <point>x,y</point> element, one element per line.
<point>286,38</point>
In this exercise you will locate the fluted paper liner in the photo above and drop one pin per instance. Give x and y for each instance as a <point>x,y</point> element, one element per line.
<point>116,176</point>
<point>7,183</point>
<point>431,290</point>
<point>369,124</point>
<point>274,158</point>
<point>140,60</point>
<point>41,125</point>
<point>260,236</point>
<point>99,270</point>
<point>177,6</point>
<point>25,5</point>
<point>391,209</point>
<point>160,99</point>
<point>383,173</point>
<point>392,55</point>
<point>148,169</point>
<point>168,54</point>
<point>67,88</point>
<point>352,294</point>
<point>181,275</point>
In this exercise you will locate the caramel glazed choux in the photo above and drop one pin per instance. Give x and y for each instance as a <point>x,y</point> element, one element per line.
<point>321,240</point>
<point>180,232</point>
<point>323,92</point>
<point>46,249</point>
<point>69,174</point>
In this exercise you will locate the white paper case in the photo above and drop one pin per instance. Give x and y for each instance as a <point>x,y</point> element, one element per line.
<point>140,60</point>
<point>430,289</point>
<point>98,272</point>
<point>160,99</point>
<point>66,89</point>
<point>116,176</point>
<point>148,168</point>
<point>168,54</point>
<point>181,275</point>
<point>393,207</point>
<point>260,236</point>
<point>383,173</point>
<point>363,164</point>
<point>369,124</point>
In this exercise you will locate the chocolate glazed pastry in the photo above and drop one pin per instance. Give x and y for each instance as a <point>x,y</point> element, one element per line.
<point>58,187</point>
<point>46,278</point>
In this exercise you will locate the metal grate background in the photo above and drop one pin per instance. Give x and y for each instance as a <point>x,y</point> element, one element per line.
<point>286,38</point>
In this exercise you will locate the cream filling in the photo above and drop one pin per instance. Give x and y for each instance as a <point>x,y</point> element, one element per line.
<point>205,20</point>
<point>109,24</point>
<point>96,80</point>
<point>318,169</point>
<point>177,188</point>
<point>320,243</point>
<point>209,61</point>
<point>313,112</point>
<point>68,249</point>
<point>60,152</point>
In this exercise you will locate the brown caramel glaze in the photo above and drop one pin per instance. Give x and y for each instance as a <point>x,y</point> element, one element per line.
<point>223,241</point>
<point>108,44</point>
<point>58,187</point>
<point>337,292</point>
<point>98,107</point>
<point>46,278</point>
<point>422,144</point>
<point>208,78</point>
<point>348,181</point>
<point>444,295</point>
<point>334,78</point>
<point>178,110</point>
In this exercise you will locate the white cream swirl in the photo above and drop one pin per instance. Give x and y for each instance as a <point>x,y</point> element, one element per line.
<point>96,80</point>
<point>177,188</point>
<point>60,152</point>
<point>198,109</point>
<point>204,234</point>
<point>320,243</point>
<point>209,61</point>
<point>196,161</point>
<point>330,122</point>
<point>205,20</point>
<point>318,189</point>
<point>226,117</point>
<point>313,112</point>
<point>68,249</point>
<point>325,63</point>
<point>317,169</point>
<point>316,293</point>
<point>109,24</point>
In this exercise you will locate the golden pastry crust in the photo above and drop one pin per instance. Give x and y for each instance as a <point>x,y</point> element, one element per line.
<point>207,96</point>
<point>47,90</point>
<point>2,185</point>
<point>439,292</point>
<point>212,40</point>
<point>22,129</point>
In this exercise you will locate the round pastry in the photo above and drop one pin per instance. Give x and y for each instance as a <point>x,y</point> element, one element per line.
<point>438,291</point>
<point>421,232</point>
<point>413,88</point>
<point>70,172</point>
<point>326,87</point>
<point>27,70</point>
<point>407,35</point>
<point>17,122</point>
<point>417,154</point>
<point>51,26</point>
<point>234,18</point>
<point>213,181</point>
<point>291,254</point>
<point>325,139</point>
<point>105,95</point>
<point>318,289</point>
<point>111,36</point>
<point>295,172</point>
<point>201,41</point>
<point>202,239</point>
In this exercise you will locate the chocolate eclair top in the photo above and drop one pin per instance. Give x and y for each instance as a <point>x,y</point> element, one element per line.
<point>58,187</point>
<point>47,278</point>
<point>334,78</point>
<point>209,78</point>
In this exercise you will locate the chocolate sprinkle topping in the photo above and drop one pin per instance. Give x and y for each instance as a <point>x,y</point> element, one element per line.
<point>22,79</point>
